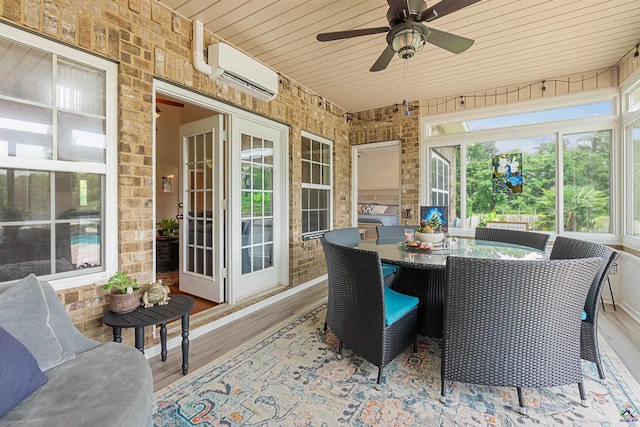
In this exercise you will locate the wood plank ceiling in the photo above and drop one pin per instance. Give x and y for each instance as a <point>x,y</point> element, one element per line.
<point>515,42</point>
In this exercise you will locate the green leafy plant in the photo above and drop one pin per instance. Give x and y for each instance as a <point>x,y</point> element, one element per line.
<point>429,225</point>
<point>122,282</point>
<point>168,227</point>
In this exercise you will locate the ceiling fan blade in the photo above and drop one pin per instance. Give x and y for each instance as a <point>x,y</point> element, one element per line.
<point>337,35</point>
<point>451,42</point>
<point>400,7</point>
<point>445,7</point>
<point>383,60</point>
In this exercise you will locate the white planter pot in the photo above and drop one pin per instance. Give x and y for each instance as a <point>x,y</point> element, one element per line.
<point>430,237</point>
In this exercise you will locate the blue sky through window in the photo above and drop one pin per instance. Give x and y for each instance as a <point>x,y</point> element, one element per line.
<point>545,116</point>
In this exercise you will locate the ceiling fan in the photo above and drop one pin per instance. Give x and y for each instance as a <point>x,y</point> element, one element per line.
<point>406,33</point>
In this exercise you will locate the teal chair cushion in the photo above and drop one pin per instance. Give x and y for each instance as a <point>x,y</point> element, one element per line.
<point>388,269</point>
<point>584,315</point>
<point>397,305</point>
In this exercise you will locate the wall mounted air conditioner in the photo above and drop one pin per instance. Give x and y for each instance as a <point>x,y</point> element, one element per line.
<point>240,71</point>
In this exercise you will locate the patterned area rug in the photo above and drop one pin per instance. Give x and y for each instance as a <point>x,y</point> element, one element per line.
<point>290,376</point>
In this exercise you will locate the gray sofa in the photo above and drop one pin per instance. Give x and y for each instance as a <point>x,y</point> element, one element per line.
<point>89,384</point>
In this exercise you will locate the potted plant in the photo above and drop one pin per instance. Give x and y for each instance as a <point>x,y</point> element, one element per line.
<point>168,227</point>
<point>124,292</point>
<point>427,232</point>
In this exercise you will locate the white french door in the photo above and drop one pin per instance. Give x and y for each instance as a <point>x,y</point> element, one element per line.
<point>201,228</point>
<point>259,196</point>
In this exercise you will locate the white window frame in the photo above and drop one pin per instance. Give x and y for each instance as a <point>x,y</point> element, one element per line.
<point>328,187</point>
<point>109,169</point>
<point>630,116</point>
<point>569,126</point>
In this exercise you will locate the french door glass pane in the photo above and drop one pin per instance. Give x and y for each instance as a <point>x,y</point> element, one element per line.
<point>587,183</point>
<point>257,202</point>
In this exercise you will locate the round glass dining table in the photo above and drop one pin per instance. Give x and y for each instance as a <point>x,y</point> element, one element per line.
<point>422,272</point>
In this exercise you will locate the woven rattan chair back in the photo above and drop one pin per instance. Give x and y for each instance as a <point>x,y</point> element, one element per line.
<point>523,238</point>
<point>392,231</point>
<point>505,320</point>
<point>356,306</point>
<point>568,248</point>
<point>344,236</point>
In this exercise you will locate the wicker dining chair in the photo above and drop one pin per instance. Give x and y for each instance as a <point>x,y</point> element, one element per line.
<point>351,237</point>
<point>344,236</point>
<point>568,248</point>
<point>514,323</point>
<point>393,231</point>
<point>373,320</point>
<point>523,238</point>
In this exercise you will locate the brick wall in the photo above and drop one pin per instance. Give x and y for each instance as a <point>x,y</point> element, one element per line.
<point>148,40</point>
<point>391,123</point>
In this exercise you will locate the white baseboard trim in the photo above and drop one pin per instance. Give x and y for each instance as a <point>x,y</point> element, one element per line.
<point>201,330</point>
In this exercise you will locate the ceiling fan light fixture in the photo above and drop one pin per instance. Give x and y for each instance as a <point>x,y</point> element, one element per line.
<point>407,42</point>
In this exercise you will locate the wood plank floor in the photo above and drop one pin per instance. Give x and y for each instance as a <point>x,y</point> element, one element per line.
<point>216,343</point>
<point>620,331</point>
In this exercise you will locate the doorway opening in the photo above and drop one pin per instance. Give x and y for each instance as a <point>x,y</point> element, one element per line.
<point>172,158</point>
<point>376,186</point>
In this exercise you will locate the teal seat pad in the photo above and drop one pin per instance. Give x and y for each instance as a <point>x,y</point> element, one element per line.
<point>388,269</point>
<point>397,305</point>
<point>584,315</point>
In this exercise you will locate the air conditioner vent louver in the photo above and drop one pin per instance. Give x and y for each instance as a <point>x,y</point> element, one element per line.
<point>240,71</point>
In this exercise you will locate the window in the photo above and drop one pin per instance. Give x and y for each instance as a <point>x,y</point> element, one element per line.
<point>439,180</point>
<point>576,149</point>
<point>53,159</point>
<point>631,122</point>
<point>316,185</point>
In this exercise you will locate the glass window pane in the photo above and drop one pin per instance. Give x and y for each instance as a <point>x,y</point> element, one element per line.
<point>268,152</point>
<point>257,257</point>
<point>534,205</point>
<point>26,249</point>
<point>257,177</point>
<point>552,115</point>
<point>80,88</point>
<point>26,73</point>
<point>25,131</point>
<point>24,195</point>
<point>246,261</point>
<point>245,176</point>
<point>313,199</point>
<point>257,231</point>
<point>257,203</point>
<point>268,256</point>
<point>267,204</point>
<point>268,230</point>
<point>306,172</point>
<point>315,173</point>
<point>326,175</point>
<point>81,138</point>
<point>245,150</point>
<point>587,181</point>
<point>246,233</point>
<point>306,148</point>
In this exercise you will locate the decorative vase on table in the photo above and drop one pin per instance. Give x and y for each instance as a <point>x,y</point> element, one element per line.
<point>124,303</point>
<point>430,237</point>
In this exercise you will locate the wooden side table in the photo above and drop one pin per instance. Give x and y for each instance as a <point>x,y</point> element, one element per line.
<point>179,306</point>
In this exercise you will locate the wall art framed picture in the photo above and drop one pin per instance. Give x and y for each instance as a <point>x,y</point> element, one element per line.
<point>428,213</point>
<point>507,173</point>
